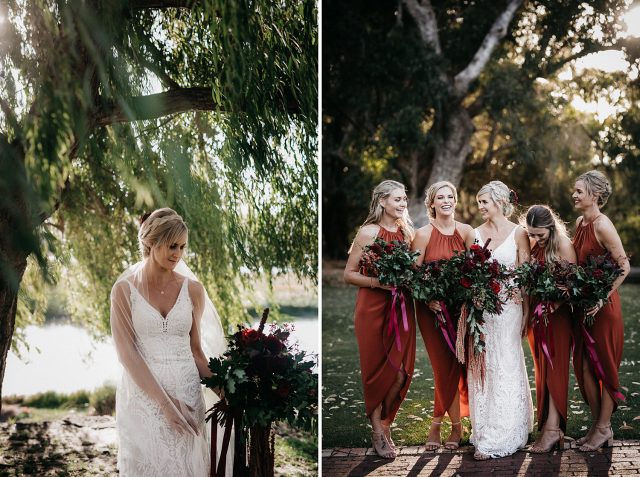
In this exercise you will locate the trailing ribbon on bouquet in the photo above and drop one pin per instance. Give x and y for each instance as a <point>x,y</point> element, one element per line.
<point>222,416</point>
<point>597,365</point>
<point>540,331</point>
<point>393,327</point>
<point>446,326</point>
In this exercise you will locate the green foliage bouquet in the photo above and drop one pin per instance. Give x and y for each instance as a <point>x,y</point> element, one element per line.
<point>264,380</point>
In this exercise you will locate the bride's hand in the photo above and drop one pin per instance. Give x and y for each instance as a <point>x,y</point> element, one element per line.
<point>434,306</point>
<point>181,417</point>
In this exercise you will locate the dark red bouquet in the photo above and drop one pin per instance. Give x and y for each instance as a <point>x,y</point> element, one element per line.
<point>265,379</point>
<point>594,282</point>
<point>391,262</point>
<point>547,282</point>
<point>431,282</point>
<point>480,284</point>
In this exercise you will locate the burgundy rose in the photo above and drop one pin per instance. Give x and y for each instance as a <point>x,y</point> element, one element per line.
<point>465,282</point>
<point>249,336</point>
<point>376,248</point>
<point>283,390</point>
<point>495,286</point>
<point>494,269</point>
<point>475,247</point>
<point>389,247</point>
<point>598,273</point>
<point>273,344</point>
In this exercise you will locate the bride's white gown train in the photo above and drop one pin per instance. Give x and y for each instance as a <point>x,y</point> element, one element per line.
<point>501,411</point>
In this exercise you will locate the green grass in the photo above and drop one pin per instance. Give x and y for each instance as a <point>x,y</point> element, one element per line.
<point>343,419</point>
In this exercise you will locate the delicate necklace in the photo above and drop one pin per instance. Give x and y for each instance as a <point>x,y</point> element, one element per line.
<point>166,285</point>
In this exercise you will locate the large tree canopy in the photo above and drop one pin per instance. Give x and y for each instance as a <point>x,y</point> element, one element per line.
<point>109,109</point>
<point>469,91</point>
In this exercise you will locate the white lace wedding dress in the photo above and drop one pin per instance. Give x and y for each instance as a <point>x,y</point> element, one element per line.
<point>501,411</point>
<point>148,445</point>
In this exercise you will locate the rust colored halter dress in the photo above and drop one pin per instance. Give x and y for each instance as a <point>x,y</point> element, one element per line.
<point>608,329</point>
<point>554,380</point>
<point>449,375</point>
<point>380,359</point>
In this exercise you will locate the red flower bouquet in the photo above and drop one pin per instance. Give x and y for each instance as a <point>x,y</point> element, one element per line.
<point>393,263</point>
<point>546,283</point>
<point>479,284</point>
<point>431,282</point>
<point>594,282</point>
<point>264,379</point>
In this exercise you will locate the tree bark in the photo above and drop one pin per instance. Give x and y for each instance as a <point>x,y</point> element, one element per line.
<point>452,145</point>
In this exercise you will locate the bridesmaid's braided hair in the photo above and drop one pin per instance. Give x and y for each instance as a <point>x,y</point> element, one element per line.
<point>597,184</point>
<point>161,227</point>
<point>541,216</point>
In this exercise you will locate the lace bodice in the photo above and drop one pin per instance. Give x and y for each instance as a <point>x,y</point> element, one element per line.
<point>501,410</point>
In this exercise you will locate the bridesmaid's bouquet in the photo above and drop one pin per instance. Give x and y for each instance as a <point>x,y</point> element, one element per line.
<point>481,285</point>
<point>547,282</point>
<point>392,263</point>
<point>265,379</point>
<point>431,282</point>
<point>594,280</point>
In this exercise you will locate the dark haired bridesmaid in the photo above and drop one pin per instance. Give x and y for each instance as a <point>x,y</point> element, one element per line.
<point>437,240</point>
<point>596,235</point>
<point>386,369</point>
<point>550,243</point>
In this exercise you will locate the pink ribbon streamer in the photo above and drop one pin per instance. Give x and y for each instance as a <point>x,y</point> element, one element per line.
<point>597,365</point>
<point>393,317</point>
<point>539,332</point>
<point>448,331</point>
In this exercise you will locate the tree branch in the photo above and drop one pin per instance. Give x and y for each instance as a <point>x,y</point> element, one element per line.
<point>161,4</point>
<point>425,18</point>
<point>552,68</point>
<point>463,80</point>
<point>154,106</point>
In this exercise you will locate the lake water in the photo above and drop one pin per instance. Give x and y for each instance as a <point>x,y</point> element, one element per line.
<point>65,358</point>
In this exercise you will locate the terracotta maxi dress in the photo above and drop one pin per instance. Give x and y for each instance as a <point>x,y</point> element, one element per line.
<point>449,375</point>
<point>380,359</point>
<point>607,331</point>
<point>552,379</point>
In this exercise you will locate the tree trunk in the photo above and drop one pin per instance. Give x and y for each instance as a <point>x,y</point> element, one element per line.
<point>452,144</point>
<point>8,308</point>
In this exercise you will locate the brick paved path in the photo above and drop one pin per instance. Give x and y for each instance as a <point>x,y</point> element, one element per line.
<point>621,459</point>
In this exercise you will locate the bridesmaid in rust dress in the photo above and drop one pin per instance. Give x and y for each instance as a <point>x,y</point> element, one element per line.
<point>437,240</point>
<point>596,235</point>
<point>550,242</point>
<point>386,370</point>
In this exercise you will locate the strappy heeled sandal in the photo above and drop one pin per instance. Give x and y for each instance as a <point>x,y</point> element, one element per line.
<point>559,442</point>
<point>387,434</point>
<point>608,442</point>
<point>453,445</point>
<point>433,446</point>
<point>382,446</point>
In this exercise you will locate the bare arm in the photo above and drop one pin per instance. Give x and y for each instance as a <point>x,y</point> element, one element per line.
<point>608,236</point>
<point>523,256</point>
<point>421,241</point>
<point>366,236</point>
<point>196,292</point>
<point>468,235</point>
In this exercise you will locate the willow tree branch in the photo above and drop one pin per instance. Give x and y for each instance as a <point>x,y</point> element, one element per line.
<point>160,4</point>
<point>173,101</point>
<point>463,80</point>
<point>425,18</point>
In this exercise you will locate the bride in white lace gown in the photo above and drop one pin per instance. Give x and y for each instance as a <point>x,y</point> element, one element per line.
<point>156,320</point>
<point>501,410</point>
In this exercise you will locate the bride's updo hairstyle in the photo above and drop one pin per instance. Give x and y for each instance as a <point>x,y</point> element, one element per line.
<point>597,184</point>
<point>500,194</point>
<point>162,227</point>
